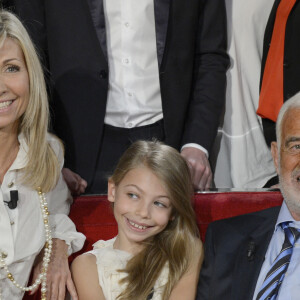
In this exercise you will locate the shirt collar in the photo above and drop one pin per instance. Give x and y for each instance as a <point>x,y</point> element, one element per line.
<point>285,216</point>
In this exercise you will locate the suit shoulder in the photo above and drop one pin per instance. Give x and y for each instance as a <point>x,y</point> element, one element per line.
<point>244,222</point>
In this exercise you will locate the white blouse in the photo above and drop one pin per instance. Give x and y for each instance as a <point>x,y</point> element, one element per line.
<point>22,233</point>
<point>109,261</point>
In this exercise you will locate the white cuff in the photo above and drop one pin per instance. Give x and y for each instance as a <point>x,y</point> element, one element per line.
<point>195,146</point>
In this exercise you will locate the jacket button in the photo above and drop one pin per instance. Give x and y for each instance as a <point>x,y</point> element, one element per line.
<point>103,74</point>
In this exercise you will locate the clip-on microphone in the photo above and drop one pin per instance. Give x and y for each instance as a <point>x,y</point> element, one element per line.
<point>251,251</point>
<point>14,198</point>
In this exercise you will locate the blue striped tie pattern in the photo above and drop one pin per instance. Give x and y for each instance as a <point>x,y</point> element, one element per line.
<point>274,277</point>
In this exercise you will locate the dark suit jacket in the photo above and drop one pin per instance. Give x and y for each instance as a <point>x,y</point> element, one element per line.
<point>191,44</point>
<point>291,62</point>
<point>230,271</point>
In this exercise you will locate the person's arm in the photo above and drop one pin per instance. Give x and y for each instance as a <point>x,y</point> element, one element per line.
<point>66,240</point>
<point>210,65</point>
<point>59,202</point>
<point>58,275</point>
<point>85,276</point>
<point>199,167</point>
<point>186,287</point>
<point>75,183</point>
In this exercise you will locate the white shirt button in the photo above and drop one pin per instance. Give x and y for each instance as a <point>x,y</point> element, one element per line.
<point>10,185</point>
<point>130,125</point>
<point>129,94</point>
<point>127,24</point>
<point>126,61</point>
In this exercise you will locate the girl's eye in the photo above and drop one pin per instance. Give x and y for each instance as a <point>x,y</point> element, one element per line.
<point>12,69</point>
<point>160,204</point>
<point>132,195</point>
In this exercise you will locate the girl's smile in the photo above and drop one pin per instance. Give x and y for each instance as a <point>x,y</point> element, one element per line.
<point>142,207</point>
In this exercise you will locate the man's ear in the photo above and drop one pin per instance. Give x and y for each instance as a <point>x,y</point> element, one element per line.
<point>111,191</point>
<point>275,155</point>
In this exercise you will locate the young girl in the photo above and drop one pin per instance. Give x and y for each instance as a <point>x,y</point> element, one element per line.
<point>157,253</point>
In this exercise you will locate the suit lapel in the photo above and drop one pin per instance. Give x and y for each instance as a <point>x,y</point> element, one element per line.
<point>161,15</point>
<point>96,11</point>
<point>247,269</point>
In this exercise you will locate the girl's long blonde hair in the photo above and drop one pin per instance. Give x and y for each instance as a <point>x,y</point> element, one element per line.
<point>42,169</point>
<point>175,245</point>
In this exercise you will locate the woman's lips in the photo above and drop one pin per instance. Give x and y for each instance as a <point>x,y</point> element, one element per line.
<point>5,104</point>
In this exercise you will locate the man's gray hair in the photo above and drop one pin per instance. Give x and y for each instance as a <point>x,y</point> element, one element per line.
<point>293,102</point>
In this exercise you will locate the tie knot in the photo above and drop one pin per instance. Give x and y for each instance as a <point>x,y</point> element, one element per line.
<point>291,233</point>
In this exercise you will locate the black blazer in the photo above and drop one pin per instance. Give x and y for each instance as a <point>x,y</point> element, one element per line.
<point>291,62</point>
<point>230,269</point>
<point>191,49</point>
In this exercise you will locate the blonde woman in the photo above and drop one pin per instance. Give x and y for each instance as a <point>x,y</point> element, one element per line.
<point>34,200</point>
<point>157,252</point>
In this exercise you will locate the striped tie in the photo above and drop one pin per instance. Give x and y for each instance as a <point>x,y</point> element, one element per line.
<point>273,280</point>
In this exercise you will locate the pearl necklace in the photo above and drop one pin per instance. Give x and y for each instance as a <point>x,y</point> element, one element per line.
<point>42,278</point>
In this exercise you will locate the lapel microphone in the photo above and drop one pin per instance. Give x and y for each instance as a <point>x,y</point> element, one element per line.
<point>251,251</point>
<point>150,295</point>
<point>14,198</point>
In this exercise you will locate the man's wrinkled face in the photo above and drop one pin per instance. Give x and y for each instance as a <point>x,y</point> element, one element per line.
<point>287,163</point>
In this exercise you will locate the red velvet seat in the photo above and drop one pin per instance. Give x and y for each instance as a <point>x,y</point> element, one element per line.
<point>93,214</point>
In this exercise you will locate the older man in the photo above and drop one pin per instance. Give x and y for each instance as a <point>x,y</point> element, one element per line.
<point>256,256</point>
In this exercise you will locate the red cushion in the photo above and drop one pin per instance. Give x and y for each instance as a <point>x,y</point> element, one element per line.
<point>210,207</point>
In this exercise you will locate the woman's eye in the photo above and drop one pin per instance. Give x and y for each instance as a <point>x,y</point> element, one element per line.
<point>12,69</point>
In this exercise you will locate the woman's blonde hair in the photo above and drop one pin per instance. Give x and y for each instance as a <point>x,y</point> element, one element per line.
<point>175,245</point>
<point>42,169</point>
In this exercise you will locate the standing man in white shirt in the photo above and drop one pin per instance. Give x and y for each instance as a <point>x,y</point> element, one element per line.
<point>127,70</point>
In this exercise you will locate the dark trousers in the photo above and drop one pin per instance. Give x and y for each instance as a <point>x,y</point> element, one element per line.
<point>114,143</point>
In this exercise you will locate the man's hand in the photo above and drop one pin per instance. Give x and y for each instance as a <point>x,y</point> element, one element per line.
<point>75,183</point>
<point>199,167</point>
<point>58,275</point>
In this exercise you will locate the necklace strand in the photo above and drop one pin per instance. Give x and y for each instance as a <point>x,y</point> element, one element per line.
<point>42,278</point>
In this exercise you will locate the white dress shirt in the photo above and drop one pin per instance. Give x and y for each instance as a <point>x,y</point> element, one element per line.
<point>134,97</point>
<point>134,91</point>
<point>22,229</point>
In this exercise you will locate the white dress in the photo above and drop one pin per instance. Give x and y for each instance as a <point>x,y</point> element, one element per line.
<point>109,260</point>
<point>22,233</point>
<point>244,160</point>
